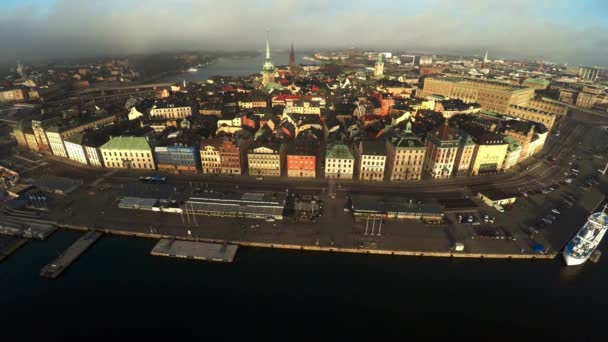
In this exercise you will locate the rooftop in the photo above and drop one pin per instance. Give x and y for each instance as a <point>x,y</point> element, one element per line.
<point>339,151</point>
<point>127,143</point>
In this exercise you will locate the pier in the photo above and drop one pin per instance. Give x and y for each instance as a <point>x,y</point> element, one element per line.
<point>195,250</point>
<point>9,245</point>
<point>54,269</point>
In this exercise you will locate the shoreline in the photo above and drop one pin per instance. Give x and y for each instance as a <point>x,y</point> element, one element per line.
<point>329,249</point>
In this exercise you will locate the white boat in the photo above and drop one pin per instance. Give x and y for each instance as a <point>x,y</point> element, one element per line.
<point>586,240</point>
<point>192,69</point>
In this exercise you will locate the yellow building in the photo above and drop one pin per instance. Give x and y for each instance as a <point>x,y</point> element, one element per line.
<point>496,197</point>
<point>11,95</point>
<point>170,112</point>
<point>264,159</point>
<point>491,95</point>
<point>489,154</point>
<point>405,156</point>
<point>557,109</point>
<point>372,160</point>
<point>210,156</point>
<point>531,114</point>
<point>128,153</point>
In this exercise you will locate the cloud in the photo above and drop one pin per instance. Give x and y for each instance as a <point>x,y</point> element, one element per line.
<point>557,30</point>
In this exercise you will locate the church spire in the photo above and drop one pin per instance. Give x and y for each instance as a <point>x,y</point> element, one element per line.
<point>267,44</point>
<point>292,58</point>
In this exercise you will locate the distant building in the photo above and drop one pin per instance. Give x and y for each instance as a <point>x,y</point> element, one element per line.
<point>589,96</point>
<point>371,155</point>
<point>532,114</point>
<point>426,60</point>
<point>83,147</point>
<point>12,95</point>
<point>128,153</point>
<point>557,109</point>
<point>63,130</point>
<point>405,156</point>
<point>379,66</point>
<point>170,112</point>
<point>303,107</point>
<point>339,161</point>
<point>268,69</point>
<point>490,95</point>
<point>536,83</point>
<point>450,108</point>
<point>442,148</point>
<point>589,74</point>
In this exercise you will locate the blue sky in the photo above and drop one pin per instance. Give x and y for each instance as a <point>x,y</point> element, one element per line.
<point>560,30</point>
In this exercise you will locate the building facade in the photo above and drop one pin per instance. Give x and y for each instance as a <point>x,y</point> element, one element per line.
<point>532,114</point>
<point>264,159</point>
<point>339,162</point>
<point>489,155</point>
<point>490,95</point>
<point>372,160</point>
<point>557,109</point>
<point>211,162</point>
<point>177,159</point>
<point>379,66</point>
<point>441,151</point>
<point>406,155</point>
<point>464,155</point>
<point>128,153</point>
<point>170,112</point>
<point>230,157</point>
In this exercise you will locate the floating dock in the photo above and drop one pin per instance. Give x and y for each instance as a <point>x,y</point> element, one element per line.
<point>54,269</point>
<point>195,250</point>
<point>9,245</point>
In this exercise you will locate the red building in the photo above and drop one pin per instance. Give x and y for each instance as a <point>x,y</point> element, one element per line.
<point>230,157</point>
<point>302,156</point>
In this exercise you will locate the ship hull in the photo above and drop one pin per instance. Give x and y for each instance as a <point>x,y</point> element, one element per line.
<point>572,261</point>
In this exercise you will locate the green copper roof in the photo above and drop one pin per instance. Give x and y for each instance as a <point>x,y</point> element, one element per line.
<point>127,143</point>
<point>339,151</point>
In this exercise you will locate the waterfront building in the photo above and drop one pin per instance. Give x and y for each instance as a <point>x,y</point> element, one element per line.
<point>513,153</point>
<point>253,205</point>
<point>57,133</point>
<point>21,127</point>
<point>38,127</point>
<point>371,155</point>
<point>176,158</point>
<point>441,150</point>
<point>264,159</point>
<point>405,156</point>
<point>128,153</point>
<point>489,154</point>
<point>395,207</point>
<point>12,95</point>
<point>464,154</point>
<point>339,161</point>
<point>211,161</point>
<point>230,157</point>
<point>490,95</point>
<point>302,156</point>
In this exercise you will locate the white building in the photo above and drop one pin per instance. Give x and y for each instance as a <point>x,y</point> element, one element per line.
<point>170,112</point>
<point>339,162</point>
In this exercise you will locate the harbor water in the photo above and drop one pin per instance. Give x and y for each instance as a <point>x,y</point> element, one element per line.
<point>118,287</point>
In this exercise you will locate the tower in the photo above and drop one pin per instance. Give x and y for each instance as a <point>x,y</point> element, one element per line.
<point>379,67</point>
<point>20,70</point>
<point>292,60</point>
<point>268,69</point>
<point>485,60</point>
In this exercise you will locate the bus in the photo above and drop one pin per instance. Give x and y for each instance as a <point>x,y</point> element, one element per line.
<point>153,179</point>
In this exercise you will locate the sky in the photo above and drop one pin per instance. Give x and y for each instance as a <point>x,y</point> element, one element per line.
<point>572,31</point>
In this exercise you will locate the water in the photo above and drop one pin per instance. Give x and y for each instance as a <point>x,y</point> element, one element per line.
<point>117,288</point>
<point>236,67</point>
